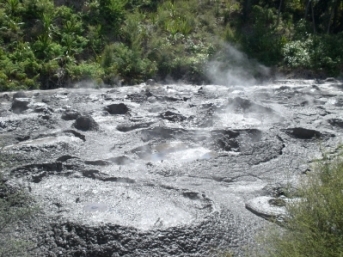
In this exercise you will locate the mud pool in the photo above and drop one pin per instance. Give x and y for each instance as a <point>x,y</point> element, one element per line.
<point>163,170</point>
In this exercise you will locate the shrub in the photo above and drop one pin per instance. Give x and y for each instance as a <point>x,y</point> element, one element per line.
<point>314,225</point>
<point>297,53</point>
<point>319,52</point>
<point>119,61</point>
<point>85,71</point>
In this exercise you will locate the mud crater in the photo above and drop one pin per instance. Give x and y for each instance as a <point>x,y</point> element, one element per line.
<point>127,203</point>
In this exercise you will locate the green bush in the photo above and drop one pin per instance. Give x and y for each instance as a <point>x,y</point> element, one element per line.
<point>119,61</point>
<point>327,53</point>
<point>318,52</point>
<point>314,224</point>
<point>297,53</point>
<point>85,71</point>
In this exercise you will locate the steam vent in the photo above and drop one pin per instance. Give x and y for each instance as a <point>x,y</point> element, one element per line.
<point>163,170</point>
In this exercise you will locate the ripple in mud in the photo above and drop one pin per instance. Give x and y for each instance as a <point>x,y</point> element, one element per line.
<point>189,145</point>
<point>240,112</point>
<point>135,205</point>
<point>162,133</point>
<point>172,150</point>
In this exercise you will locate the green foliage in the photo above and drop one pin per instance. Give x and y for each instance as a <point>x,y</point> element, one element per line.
<point>119,61</point>
<point>297,53</point>
<point>327,53</point>
<point>85,71</point>
<point>16,68</point>
<point>148,5</point>
<point>316,52</point>
<point>161,39</point>
<point>314,226</point>
<point>267,37</point>
<point>34,9</point>
<point>108,13</point>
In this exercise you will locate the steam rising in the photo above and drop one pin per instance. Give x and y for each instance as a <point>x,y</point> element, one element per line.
<point>230,67</point>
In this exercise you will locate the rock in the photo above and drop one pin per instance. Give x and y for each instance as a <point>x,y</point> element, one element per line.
<point>70,115</point>
<point>20,104</point>
<point>85,122</point>
<point>117,108</point>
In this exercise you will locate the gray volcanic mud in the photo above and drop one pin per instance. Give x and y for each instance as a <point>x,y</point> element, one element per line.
<point>164,170</point>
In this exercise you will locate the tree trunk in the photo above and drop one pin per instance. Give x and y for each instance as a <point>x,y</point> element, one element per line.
<point>307,7</point>
<point>279,13</point>
<point>333,8</point>
<point>336,14</point>
<point>313,19</point>
<point>246,9</point>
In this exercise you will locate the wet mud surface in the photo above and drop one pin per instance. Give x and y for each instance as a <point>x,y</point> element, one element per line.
<point>164,170</point>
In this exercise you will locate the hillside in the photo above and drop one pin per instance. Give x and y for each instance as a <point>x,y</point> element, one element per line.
<point>48,44</point>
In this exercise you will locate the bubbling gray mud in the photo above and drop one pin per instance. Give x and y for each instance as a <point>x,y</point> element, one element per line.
<point>163,170</point>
